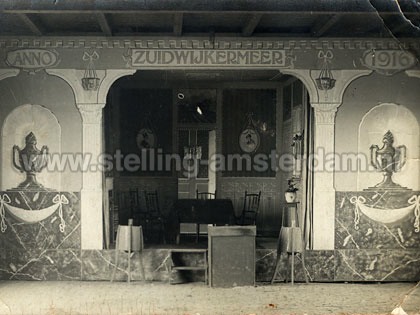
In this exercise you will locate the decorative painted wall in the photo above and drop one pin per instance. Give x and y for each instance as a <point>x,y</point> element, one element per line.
<point>40,235</point>
<point>404,128</point>
<point>18,125</point>
<point>377,212</point>
<point>399,94</point>
<point>56,97</point>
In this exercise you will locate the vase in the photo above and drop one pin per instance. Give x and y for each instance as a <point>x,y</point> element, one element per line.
<point>290,196</point>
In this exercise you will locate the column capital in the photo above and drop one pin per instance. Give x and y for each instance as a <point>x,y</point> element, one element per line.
<point>8,72</point>
<point>91,112</point>
<point>325,113</point>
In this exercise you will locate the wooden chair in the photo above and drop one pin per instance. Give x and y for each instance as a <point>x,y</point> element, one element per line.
<point>154,219</point>
<point>205,195</point>
<point>250,208</point>
<point>136,211</point>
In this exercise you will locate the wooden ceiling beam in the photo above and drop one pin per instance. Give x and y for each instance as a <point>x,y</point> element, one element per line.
<point>134,11</point>
<point>103,23</point>
<point>178,23</point>
<point>249,6</point>
<point>252,23</point>
<point>30,24</point>
<point>323,25</point>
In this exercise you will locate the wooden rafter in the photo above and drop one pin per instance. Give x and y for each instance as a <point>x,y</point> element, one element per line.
<point>178,22</point>
<point>30,24</point>
<point>252,23</point>
<point>323,25</point>
<point>103,23</point>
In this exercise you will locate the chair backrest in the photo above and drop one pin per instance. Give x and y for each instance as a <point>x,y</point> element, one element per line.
<point>251,207</point>
<point>134,197</point>
<point>205,195</point>
<point>152,202</point>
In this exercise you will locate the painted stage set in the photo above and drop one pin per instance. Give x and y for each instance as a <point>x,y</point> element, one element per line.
<point>54,94</point>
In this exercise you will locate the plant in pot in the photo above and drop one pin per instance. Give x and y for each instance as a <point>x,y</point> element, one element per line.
<point>290,194</point>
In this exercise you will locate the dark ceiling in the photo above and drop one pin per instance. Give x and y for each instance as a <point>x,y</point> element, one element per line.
<point>285,18</point>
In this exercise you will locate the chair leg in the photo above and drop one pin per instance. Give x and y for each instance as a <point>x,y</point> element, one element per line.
<point>117,247</point>
<point>162,229</point>
<point>197,230</point>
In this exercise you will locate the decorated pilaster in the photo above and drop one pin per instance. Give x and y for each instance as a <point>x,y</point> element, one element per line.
<point>324,192</point>
<point>91,194</point>
<point>90,88</point>
<point>326,100</point>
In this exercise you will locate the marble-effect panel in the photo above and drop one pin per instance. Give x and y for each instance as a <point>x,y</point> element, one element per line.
<point>355,230</point>
<point>154,265</point>
<point>265,264</point>
<point>48,249</point>
<point>150,265</point>
<point>377,265</point>
<point>45,234</point>
<point>41,265</point>
<point>319,266</point>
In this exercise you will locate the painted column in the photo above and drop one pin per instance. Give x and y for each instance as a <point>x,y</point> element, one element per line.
<point>90,104</point>
<point>91,194</point>
<point>324,191</point>
<point>326,104</point>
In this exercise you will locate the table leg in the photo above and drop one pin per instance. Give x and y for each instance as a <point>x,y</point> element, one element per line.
<point>198,232</point>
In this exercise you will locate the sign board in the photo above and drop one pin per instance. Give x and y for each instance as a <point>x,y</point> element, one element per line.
<point>32,59</point>
<point>206,58</point>
<point>388,62</point>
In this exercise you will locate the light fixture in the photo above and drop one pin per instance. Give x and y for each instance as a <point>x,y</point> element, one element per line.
<point>90,80</point>
<point>325,80</point>
<point>192,151</point>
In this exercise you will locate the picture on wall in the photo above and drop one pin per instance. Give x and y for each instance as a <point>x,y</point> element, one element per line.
<point>249,129</point>
<point>142,113</point>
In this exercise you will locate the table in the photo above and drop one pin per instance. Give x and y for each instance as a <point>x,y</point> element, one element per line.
<point>210,211</point>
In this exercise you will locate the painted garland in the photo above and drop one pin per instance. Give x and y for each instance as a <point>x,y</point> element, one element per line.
<point>28,216</point>
<point>386,216</point>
